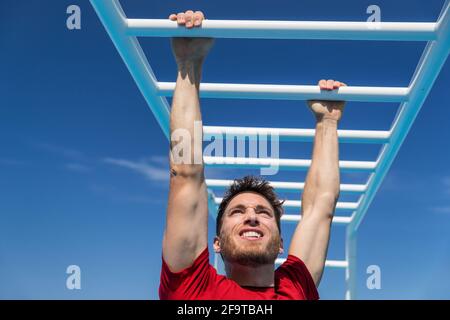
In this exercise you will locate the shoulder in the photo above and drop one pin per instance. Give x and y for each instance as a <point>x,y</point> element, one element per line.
<point>293,274</point>
<point>194,282</point>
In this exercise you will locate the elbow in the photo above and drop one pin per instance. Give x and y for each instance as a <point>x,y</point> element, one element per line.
<point>190,166</point>
<point>329,199</point>
<point>325,204</point>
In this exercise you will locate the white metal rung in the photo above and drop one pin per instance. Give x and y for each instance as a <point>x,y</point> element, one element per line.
<point>294,134</point>
<point>287,186</point>
<point>282,164</point>
<point>254,29</point>
<point>298,204</point>
<point>297,218</point>
<point>292,92</point>
<point>328,263</point>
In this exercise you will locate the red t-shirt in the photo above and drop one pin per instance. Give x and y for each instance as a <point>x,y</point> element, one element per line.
<point>201,282</point>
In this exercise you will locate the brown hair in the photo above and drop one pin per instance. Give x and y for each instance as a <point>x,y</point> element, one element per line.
<point>254,184</point>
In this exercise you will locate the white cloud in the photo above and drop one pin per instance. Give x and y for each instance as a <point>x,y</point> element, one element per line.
<point>60,150</point>
<point>114,194</point>
<point>162,160</point>
<point>442,209</point>
<point>444,187</point>
<point>11,162</point>
<point>75,157</point>
<point>77,167</point>
<point>143,167</point>
<point>156,168</point>
<point>446,183</point>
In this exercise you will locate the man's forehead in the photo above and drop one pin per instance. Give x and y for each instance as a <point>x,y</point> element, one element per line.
<point>249,198</point>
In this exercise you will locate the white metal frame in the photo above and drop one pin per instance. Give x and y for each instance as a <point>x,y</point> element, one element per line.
<point>123,33</point>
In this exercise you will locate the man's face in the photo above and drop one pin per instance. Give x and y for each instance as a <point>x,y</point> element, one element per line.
<point>249,234</point>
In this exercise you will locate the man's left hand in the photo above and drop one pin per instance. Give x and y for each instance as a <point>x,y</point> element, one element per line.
<point>331,110</point>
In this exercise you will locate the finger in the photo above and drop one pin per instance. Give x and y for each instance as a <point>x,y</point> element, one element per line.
<point>336,85</point>
<point>198,18</point>
<point>330,84</point>
<point>323,84</point>
<point>189,16</point>
<point>180,18</point>
<point>201,14</point>
<point>173,17</point>
<point>343,84</point>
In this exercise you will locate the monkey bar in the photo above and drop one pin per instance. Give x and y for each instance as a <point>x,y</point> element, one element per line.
<point>123,33</point>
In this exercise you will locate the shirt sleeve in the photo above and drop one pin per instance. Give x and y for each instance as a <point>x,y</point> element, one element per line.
<point>294,273</point>
<point>188,283</point>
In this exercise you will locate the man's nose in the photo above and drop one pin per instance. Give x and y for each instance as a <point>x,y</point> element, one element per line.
<point>251,217</point>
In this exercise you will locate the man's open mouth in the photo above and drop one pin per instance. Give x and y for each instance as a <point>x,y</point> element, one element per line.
<point>251,234</point>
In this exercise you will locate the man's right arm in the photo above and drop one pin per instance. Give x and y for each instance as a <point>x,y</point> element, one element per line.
<point>186,231</point>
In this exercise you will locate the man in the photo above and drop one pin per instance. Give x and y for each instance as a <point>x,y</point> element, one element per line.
<point>248,223</point>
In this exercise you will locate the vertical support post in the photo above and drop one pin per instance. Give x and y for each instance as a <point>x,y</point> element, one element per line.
<point>350,271</point>
<point>212,209</point>
<point>115,22</point>
<point>220,265</point>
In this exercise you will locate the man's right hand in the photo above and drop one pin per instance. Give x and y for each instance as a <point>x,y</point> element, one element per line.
<point>190,49</point>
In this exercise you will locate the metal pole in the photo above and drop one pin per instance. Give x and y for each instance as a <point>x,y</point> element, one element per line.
<point>429,67</point>
<point>351,270</point>
<point>282,164</point>
<point>115,22</point>
<point>294,134</point>
<point>292,92</point>
<point>288,186</point>
<point>321,30</point>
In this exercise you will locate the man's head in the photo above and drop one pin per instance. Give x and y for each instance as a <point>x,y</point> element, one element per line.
<point>248,223</point>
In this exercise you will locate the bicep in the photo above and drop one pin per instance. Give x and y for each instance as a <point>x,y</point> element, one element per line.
<point>186,229</point>
<point>310,242</point>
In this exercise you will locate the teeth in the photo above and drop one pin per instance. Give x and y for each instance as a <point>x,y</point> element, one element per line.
<point>251,234</point>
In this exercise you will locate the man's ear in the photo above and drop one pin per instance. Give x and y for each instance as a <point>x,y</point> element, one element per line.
<point>216,244</point>
<point>281,251</point>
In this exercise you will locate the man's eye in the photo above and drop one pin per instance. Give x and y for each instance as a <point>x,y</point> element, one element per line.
<point>236,211</point>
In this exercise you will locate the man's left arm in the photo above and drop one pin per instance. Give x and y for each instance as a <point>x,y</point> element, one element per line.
<point>321,192</point>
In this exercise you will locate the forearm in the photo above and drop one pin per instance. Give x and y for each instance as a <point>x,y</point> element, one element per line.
<point>322,182</point>
<point>186,230</point>
<point>185,119</point>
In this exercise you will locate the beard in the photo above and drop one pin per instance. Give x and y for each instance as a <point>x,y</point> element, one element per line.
<point>252,255</point>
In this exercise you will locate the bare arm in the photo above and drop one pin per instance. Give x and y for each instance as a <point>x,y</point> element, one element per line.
<point>311,237</point>
<point>186,230</point>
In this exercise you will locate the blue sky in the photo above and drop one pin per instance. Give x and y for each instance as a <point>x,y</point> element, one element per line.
<point>83,163</point>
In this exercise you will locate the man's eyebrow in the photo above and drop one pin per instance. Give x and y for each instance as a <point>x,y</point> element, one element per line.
<point>258,207</point>
<point>261,207</point>
<point>240,206</point>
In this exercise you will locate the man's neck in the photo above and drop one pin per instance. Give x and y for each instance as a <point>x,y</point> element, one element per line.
<point>260,276</point>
